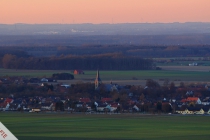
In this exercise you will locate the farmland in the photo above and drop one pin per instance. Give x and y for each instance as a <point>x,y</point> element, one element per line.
<point>173,73</point>
<point>104,126</point>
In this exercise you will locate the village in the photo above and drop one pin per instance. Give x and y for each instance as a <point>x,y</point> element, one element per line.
<point>47,95</point>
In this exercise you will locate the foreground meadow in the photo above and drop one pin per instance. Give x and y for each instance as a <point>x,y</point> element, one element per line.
<point>57,126</point>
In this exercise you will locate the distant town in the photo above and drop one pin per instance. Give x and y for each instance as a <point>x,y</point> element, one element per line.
<point>47,95</point>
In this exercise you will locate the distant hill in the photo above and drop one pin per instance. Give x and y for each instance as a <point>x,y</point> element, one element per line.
<point>127,33</point>
<point>88,40</point>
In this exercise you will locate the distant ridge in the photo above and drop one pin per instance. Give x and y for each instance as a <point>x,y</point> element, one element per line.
<point>175,28</point>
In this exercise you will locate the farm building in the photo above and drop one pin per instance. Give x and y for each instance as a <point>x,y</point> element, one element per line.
<point>78,72</point>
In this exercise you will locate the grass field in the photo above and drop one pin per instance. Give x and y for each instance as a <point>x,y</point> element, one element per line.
<point>187,68</point>
<point>26,126</point>
<point>184,73</point>
<point>198,60</point>
<point>184,63</point>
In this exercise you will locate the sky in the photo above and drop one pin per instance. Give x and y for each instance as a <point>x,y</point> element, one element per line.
<point>103,11</point>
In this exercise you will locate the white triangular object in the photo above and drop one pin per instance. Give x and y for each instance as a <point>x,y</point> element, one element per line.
<point>5,134</point>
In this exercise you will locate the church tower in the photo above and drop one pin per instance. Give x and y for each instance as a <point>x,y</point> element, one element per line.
<point>98,80</point>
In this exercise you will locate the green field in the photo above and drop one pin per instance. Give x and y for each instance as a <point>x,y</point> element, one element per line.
<point>181,62</point>
<point>184,63</point>
<point>26,126</point>
<point>181,73</point>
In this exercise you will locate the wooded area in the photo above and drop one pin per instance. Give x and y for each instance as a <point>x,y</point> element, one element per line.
<point>70,62</point>
<point>145,51</point>
<point>91,57</point>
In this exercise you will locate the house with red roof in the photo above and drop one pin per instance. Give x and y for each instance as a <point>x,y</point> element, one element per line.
<point>2,105</point>
<point>196,100</point>
<point>106,100</point>
<point>114,106</point>
<point>8,100</point>
<point>85,100</point>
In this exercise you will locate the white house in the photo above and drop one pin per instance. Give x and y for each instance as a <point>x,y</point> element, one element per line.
<point>201,111</point>
<point>208,112</point>
<point>44,80</point>
<point>101,107</point>
<point>188,111</point>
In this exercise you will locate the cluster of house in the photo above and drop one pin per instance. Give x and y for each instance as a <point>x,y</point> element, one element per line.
<point>194,110</point>
<point>190,105</point>
<point>103,105</point>
<point>193,105</point>
<point>32,103</point>
<point>49,104</point>
<point>27,104</point>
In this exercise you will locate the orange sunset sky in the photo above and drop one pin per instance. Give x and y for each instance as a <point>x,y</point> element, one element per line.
<point>103,11</point>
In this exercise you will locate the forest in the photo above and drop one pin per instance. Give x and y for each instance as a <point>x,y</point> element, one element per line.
<point>144,51</point>
<point>113,61</point>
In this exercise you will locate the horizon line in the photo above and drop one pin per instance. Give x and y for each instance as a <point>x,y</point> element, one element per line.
<point>103,23</point>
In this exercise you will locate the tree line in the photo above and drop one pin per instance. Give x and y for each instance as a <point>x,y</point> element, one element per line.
<point>112,61</point>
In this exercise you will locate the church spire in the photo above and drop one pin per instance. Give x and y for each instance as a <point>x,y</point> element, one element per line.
<point>98,80</point>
